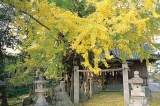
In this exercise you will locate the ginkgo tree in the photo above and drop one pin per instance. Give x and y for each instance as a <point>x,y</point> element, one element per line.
<point>52,31</point>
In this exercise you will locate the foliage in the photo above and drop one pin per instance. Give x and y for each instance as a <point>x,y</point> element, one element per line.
<point>53,32</point>
<point>17,100</point>
<point>3,30</point>
<point>156,77</point>
<point>16,92</point>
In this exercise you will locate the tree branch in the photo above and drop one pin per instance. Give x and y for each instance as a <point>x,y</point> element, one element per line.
<point>24,12</point>
<point>75,4</point>
<point>35,19</point>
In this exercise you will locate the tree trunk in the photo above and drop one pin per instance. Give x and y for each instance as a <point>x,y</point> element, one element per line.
<point>3,88</point>
<point>4,97</point>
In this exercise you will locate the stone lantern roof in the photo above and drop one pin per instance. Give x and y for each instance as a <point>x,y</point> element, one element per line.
<point>136,79</point>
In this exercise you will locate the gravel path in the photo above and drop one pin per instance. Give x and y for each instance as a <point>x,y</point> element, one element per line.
<point>154,87</point>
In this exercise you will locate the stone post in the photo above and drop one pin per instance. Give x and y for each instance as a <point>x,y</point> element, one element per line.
<point>76,86</point>
<point>125,84</point>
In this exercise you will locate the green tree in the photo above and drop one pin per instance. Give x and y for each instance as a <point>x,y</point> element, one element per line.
<point>7,40</point>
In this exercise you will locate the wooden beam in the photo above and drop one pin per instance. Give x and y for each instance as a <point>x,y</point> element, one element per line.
<point>103,70</point>
<point>108,70</point>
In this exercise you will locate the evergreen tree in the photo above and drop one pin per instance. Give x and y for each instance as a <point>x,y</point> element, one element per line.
<point>6,40</point>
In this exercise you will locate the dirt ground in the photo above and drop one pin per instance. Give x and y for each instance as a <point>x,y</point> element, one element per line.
<point>113,99</point>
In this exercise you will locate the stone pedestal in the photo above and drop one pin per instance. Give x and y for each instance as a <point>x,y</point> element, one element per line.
<point>138,97</point>
<point>41,101</point>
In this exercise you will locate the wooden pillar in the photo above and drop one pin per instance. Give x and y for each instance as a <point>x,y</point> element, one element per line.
<point>125,84</point>
<point>102,81</point>
<point>90,88</point>
<point>72,87</point>
<point>76,86</point>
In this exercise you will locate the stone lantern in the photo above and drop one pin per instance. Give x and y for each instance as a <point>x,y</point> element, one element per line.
<point>41,101</point>
<point>138,97</point>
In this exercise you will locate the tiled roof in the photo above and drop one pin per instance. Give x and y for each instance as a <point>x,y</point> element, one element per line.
<point>116,54</point>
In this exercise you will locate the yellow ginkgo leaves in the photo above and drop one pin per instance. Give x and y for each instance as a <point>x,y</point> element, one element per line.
<point>122,24</point>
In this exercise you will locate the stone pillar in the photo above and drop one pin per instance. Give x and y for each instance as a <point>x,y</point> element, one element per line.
<point>125,84</point>
<point>76,86</point>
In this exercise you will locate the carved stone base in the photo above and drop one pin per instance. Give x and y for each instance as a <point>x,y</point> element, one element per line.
<point>39,104</point>
<point>138,101</point>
